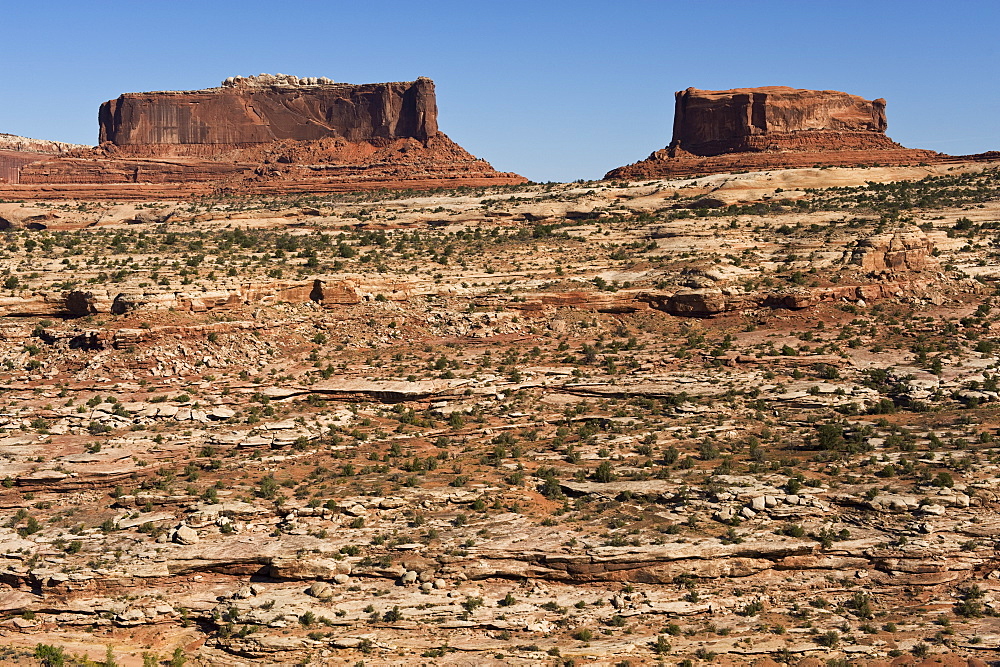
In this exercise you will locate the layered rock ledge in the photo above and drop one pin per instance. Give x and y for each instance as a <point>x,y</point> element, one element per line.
<point>15,152</point>
<point>773,127</point>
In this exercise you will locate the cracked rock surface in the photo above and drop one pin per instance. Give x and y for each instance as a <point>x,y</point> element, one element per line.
<point>511,425</point>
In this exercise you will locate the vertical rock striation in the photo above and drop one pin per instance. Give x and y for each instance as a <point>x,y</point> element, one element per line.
<point>712,122</point>
<point>248,111</point>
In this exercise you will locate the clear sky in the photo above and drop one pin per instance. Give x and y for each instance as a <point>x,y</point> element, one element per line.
<point>552,89</point>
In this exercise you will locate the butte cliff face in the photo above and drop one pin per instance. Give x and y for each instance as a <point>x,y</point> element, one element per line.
<point>267,133</point>
<point>709,122</point>
<point>255,110</point>
<point>771,127</point>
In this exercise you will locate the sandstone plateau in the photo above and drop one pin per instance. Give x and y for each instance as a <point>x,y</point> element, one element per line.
<point>739,419</point>
<point>774,127</point>
<point>266,134</point>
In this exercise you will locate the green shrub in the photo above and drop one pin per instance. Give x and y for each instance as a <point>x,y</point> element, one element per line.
<point>50,656</point>
<point>604,472</point>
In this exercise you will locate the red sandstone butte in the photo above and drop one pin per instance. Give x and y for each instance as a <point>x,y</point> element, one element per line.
<point>772,127</point>
<point>246,111</point>
<point>265,134</point>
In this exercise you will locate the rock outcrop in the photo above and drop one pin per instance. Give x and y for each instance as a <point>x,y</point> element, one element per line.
<point>80,303</point>
<point>903,250</point>
<point>772,127</point>
<point>271,133</point>
<point>15,152</point>
<point>11,142</point>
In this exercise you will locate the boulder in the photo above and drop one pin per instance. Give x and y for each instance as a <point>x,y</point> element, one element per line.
<point>221,413</point>
<point>292,567</point>
<point>321,590</point>
<point>80,303</point>
<point>696,303</point>
<point>356,510</point>
<point>725,514</point>
<point>184,534</point>
<point>149,217</point>
<point>126,302</point>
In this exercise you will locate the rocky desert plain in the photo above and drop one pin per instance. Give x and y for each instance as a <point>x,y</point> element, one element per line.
<point>256,417</point>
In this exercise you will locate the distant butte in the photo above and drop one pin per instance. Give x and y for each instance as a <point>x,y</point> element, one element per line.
<point>748,129</point>
<point>264,134</point>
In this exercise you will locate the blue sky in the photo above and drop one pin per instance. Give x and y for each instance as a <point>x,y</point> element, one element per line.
<point>551,89</point>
